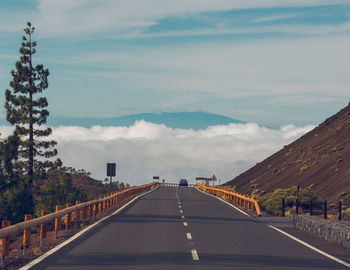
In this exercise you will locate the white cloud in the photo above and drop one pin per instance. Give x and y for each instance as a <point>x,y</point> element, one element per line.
<point>145,149</point>
<point>5,131</point>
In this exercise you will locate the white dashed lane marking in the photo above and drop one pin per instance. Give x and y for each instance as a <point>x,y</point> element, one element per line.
<point>185,224</point>
<point>189,236</point>
<point>194,255</point>
<point>182,217</point>
<point>181,211</point>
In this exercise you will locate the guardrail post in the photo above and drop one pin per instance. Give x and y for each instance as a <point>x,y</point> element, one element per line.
<point>68,217</point>
<point>105,204</point>
<point>42,229</point>
<point>100,208</point>
<point>283,208</point>
<point>297,206</point>
<point>57,222</point>
<point>96,211</point>
<point>339,211</point>
<point>325,209</point>
<point>311,208</point>
<point>85,213</point>
<point>77,215</point>
<point>5,243</point>
<point>26,235</point>
<point>91,211</point>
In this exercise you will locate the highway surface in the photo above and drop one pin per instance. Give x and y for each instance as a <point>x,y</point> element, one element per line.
<point>182,228</point>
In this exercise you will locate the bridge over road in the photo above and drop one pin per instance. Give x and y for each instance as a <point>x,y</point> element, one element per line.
<point>182,228</point>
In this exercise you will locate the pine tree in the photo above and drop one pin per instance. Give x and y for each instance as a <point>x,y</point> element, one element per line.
<point>29,114</point>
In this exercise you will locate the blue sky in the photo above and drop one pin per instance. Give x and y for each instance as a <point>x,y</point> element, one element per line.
<point>270,62</point>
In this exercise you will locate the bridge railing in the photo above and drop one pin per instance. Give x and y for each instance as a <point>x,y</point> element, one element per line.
<point>87,211</point>
<point>234,197</point>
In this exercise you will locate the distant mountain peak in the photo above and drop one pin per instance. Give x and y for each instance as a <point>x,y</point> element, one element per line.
<point>183,120</point>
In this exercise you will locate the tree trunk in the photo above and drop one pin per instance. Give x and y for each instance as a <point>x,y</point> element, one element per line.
<point>31,131</point>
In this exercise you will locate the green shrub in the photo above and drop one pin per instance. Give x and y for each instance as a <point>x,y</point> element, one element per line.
<point>272,202</point>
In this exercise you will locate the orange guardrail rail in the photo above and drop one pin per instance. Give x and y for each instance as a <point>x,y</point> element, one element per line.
<point>234,197</point>
<point>87,211</point>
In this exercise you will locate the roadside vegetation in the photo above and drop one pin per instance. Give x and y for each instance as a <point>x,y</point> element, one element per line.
<point>31,177</point>
<point>272,202</point>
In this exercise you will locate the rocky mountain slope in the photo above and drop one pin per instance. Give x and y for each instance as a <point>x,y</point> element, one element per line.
<point>320,158</point>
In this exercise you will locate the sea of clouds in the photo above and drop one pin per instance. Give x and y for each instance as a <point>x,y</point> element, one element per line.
<point>144,149</point>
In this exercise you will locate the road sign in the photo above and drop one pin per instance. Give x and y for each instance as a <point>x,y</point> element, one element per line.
<point>206,179</point>
<point>111,169</point>
<point>213,178</point>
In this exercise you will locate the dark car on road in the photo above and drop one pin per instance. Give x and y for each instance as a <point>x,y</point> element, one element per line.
<point>183,183</point>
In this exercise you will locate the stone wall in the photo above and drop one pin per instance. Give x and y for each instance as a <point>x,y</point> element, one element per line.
<point>330,230</point>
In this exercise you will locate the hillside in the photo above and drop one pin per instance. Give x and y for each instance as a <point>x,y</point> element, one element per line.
<point>89,185</point>
<point>92,187</point>
<point>320,158</point>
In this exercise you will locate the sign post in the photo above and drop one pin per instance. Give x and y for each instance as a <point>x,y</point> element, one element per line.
<point>111,170</point>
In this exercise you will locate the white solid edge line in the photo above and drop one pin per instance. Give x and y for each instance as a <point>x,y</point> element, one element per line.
<point>51,251</point>
<point>194,255</point>
<point>189,236</point>
<point>225,202</point>
<point>311,247</point>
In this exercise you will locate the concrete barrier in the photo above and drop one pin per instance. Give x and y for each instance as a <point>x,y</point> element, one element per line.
<point>333,231</point>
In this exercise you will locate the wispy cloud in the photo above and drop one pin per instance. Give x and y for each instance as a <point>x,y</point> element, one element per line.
<point>218,31</point>
<point>306,67</point>
<point>79,17</point>
<point>277,17</point>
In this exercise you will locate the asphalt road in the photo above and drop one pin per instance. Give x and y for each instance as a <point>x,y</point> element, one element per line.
<point>181,228</point>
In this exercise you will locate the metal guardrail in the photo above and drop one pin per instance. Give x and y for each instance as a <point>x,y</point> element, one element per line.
<point>81,211</point>
<point>234,197</point>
